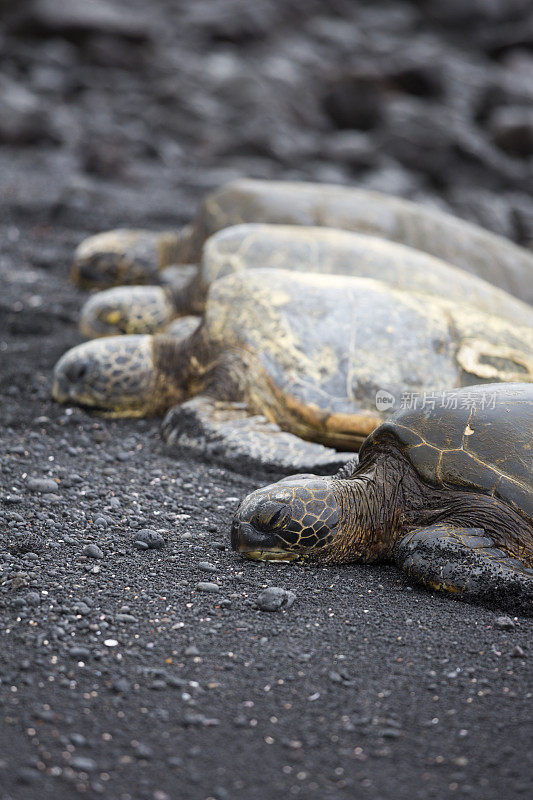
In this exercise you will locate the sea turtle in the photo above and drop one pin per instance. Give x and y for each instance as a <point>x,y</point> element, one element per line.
<point>322,357</point>
<point>147,309</point>
<point>443,489</point>
<point>136,256</point>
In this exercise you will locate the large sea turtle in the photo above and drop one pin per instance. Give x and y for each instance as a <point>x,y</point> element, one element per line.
<point>147,309</point>
<point>133,256</point>
<point>444,489</point>
<point>319,357</point>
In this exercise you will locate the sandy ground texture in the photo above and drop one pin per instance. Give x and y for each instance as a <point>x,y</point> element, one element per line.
<point>138,664</point>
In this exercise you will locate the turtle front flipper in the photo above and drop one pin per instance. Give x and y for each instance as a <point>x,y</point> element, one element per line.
<point>465,562</point>
<point>126,257</point>
<point>226,431</point>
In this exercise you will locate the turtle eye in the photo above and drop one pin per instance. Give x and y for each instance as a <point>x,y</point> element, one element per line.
<point>276,518</point>
<point>270,518</point>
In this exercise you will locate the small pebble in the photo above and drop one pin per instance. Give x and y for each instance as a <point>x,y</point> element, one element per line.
<point>27,543</point>
<point>152,539</point>
<point>274,598</point>
<point>504,623</point>
<point>33,598</point>
<point>43,485</point>
<point>207,587</point>
<point>206,566</point>
<point>390,733</point>
<point>143,750</point>
<point>92,551</point>
<point>125,618</point>
<point>140,545</point>
<point>83,763</point>
<point>79,652</point>
<point>27,775</point>
<point>191,718</point>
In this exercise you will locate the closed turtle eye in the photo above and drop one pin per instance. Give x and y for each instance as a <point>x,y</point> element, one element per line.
<point>271,518</point>
<point>277,518</point>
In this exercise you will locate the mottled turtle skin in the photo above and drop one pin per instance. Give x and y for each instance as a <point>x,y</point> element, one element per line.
<point>148,309</point>
<point>443,488</point>
<point>457,242</point>
<point>313,354</point>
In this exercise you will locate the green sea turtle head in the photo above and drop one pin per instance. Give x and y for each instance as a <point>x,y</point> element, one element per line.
<point>297,517</point>
<point>113,375</point>
<point>126,309</point>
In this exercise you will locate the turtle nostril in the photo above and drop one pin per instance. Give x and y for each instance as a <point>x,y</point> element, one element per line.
<point>76,371</point>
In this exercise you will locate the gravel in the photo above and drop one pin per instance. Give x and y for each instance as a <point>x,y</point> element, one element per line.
<point>120,676</point>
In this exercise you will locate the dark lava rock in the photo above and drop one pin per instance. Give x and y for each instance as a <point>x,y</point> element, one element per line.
<point>150,538</point>
<point>125,618</point>
<point>23,117</point>
<point>355,100</point>
<point>43,485</point>
<point>11,499</point>
<point>140,545</point>
<point>512,130</point>
<point>274,598</point>
<point>27,543</point>
<point>504,623</point>
<point>208,587</point>
<point>83,763</point>
<point>79,652</point>
<point>92,551</point>
<point>200,720</point>
<point>121,685</point>
<point>206,566</point>
<point>27,775</point>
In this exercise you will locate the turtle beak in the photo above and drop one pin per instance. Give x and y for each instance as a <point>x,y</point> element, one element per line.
<point>257,545</point>
<point>245,539</point>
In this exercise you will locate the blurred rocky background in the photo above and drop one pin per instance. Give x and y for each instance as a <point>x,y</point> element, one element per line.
<point>127,111</point>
